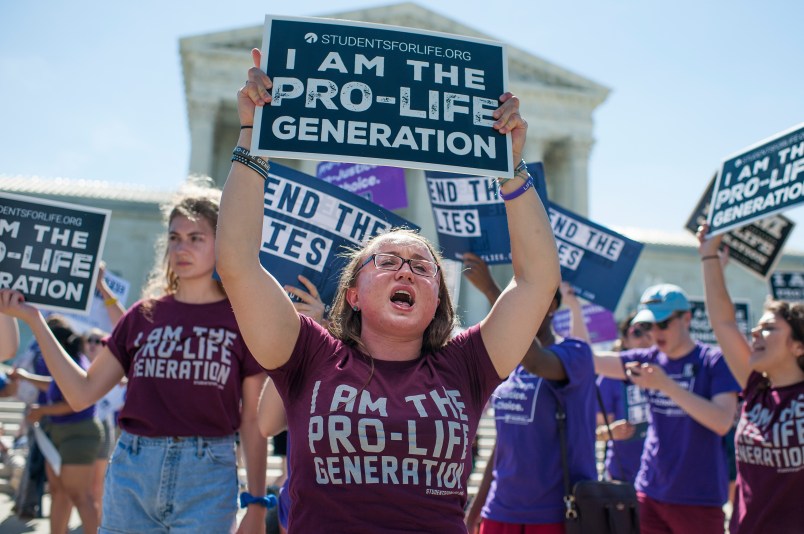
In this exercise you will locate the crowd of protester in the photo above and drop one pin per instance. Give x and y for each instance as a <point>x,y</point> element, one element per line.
<point>381,398</point>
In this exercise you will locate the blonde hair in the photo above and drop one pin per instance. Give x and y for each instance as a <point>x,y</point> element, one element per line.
<point>195,200</point>
<point>345,323</point>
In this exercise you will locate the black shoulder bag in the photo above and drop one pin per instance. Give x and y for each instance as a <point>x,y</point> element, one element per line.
<point>595,506</point>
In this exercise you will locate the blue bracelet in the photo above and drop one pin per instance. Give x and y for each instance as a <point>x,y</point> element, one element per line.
<point>246,498</point>
<point>515,193</point>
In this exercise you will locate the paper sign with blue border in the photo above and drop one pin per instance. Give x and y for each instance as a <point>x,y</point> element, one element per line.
<point>758,181</point>
<point>49,251</point>
<point>787,285</point>
<point>701,328</point>
<point>308,222</point>
<point>382,95</point>
<point>470,216</point>
<point>595,260</point>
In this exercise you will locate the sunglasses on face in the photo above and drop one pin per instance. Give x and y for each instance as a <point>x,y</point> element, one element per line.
<point>638,330</point>
<point>94,340</point>
<point>661,325</point>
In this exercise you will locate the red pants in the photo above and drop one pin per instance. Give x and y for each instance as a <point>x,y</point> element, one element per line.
<point>664,518</point>
<point>489,526</point>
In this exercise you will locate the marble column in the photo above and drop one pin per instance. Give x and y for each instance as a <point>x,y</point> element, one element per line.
<point>203,116</point>
<point>567,169</point>
<point>578,151</point>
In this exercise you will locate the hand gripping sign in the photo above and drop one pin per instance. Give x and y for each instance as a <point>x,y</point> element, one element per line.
<point>757,246</point>
<point>49,251</point>
<point>470,216</point>
<point>382,95</point>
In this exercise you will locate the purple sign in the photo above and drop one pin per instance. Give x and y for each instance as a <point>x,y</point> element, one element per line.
<point>384,186</point>
<point>599,321</point>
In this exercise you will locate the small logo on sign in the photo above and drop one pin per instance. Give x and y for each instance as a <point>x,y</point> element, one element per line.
<point>311,37</point>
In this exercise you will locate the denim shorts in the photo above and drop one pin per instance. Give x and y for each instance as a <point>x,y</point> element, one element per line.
<point>177,485</point>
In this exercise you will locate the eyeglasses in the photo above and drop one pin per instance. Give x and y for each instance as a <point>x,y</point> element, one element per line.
<point>392,262</point>
<point>94,340</point>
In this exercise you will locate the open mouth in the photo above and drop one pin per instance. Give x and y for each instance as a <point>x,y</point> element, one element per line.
<point>402,298</point>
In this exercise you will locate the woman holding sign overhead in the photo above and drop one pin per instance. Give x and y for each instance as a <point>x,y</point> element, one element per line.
<point>770,434</point>
<point>383,410</point>
<point>191,382</point>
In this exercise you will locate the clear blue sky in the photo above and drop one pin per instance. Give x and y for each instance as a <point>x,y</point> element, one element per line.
<point>93,90</point>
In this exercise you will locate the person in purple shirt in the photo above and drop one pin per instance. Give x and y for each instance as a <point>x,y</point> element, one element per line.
<point>770,434</point>
<point>382,408</point>
<point>76,435</point>
<point>683,476</point>
<point>626,409</point>
<point>523,483</point>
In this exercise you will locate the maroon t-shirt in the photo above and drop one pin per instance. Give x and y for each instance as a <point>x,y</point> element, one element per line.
<point>769,445</point>
<point>185,369</point>
<point>382,451</point>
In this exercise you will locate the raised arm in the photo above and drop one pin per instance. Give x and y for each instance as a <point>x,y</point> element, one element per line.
<point>509,328</point>
<point>537,360</point>
<point>720,308</point>
<point>114,308</point>
<point>264,312</point>
<point>9,337</point>
<point>578,327</point>
<point>80,388</point>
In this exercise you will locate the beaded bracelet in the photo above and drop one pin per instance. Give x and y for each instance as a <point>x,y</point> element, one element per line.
<point>243,156</point>
<point>517,192</point>
<point>521,171</point>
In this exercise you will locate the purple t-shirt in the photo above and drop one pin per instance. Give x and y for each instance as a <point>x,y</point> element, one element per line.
<point>528,485</point>
<point>684,462</point>
<point>185,369</point>
<point>770,459</point>
<point>627,402</point>
<point>388,450</point>
<point>55,396</point>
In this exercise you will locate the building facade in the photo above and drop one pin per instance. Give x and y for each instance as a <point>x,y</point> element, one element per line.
<point>557,103</point>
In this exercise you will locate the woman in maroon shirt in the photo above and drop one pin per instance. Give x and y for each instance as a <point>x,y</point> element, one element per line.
<point>770,435</point>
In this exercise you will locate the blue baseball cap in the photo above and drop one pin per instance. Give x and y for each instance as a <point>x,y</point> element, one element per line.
<point>660,302</point>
